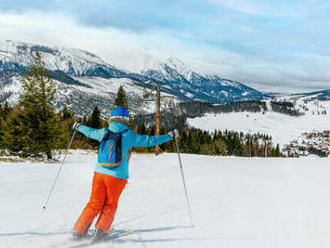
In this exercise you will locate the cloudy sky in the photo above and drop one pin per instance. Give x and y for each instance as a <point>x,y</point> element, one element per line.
<point>278,45</point>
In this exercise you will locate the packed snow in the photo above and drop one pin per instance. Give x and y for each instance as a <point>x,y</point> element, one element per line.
<point>236,202</point>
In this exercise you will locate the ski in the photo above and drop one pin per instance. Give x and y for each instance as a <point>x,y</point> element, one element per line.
<point>89,241</point>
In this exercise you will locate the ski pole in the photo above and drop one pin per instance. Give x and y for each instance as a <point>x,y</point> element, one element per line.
<point>59,171</point>
<point>184,182</point>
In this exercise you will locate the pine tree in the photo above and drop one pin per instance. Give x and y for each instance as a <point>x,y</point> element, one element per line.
<point>1,127</point>
<point>65,119</point>
<point>35,118</point>
<point>143,129</point>
<point>193,145</point>
<point>95,122</point>
<point>121,100</point>
<point>215,136</point>
<point>65,114</point>
<point>14,138</point>
<point>277,151</point>
<point>183,141</point>
<point>4,111</point>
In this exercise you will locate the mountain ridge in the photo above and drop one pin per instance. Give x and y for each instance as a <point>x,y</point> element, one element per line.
<point>77,70</point>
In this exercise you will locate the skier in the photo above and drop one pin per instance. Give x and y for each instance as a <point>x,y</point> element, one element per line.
<point>110,177</point>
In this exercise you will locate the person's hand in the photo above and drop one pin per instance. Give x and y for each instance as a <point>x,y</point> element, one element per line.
<point>75,125</point>
<point>174,133</point>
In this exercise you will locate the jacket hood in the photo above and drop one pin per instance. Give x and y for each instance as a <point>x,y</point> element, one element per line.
<point>117,126</point>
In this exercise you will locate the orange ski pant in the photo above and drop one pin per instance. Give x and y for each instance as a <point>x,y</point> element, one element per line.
<point>106,191</point>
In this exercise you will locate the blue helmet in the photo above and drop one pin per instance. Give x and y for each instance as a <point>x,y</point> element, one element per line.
<point>120,112</point>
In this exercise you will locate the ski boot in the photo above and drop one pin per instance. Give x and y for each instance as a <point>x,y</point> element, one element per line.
<point>79,236</point>
<point>100,235</point>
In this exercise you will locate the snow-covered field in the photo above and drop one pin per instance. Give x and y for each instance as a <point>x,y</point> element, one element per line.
<point>282,128</point>
<point>236,202</point>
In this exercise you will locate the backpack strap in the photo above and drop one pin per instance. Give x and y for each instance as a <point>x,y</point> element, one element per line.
<point>106,136</point>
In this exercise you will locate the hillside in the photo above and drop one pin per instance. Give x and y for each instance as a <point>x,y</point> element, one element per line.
<point>283,128</point>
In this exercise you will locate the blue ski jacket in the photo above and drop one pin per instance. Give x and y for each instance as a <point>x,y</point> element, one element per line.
<point>129,139</point>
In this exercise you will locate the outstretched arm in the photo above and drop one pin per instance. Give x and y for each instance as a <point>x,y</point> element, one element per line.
<point>147,141</point>
<point>93,133</point>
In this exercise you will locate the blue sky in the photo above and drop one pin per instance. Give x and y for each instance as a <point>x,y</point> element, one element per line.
<point>278,44</point>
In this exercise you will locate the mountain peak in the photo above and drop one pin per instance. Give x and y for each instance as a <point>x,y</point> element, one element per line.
<point>169,68</point>
<point>179,66</point>
<point>175,62</point>
<point>69,60</point>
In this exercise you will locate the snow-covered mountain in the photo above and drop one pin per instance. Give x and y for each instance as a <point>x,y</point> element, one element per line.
<point>315,95</point>
<point>74,62</point>
<point>174,74</point>
<point>85,79</point>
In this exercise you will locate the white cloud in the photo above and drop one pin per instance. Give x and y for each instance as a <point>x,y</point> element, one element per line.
<point>123,48</point>
<point>131,50</point>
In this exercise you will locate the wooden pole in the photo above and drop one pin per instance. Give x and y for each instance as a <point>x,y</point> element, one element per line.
<point>249,147</point>
<point>158,102</point>
<point>157,116</point>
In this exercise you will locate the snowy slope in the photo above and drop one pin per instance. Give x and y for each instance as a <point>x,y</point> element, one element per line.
<point>282,128</point>
<point>236,202</point>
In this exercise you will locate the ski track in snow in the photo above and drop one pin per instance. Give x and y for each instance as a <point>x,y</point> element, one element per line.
<point>236,202</point>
